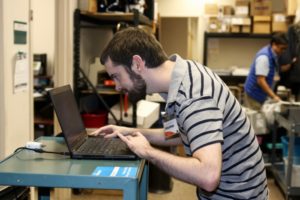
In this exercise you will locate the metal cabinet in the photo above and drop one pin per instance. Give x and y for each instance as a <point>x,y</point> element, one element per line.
<point>284,176</point>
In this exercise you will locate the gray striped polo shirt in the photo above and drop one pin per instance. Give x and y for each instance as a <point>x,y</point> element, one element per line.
<point>207,113</point>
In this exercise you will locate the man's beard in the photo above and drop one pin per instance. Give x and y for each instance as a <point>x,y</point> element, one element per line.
<point>138,91</point>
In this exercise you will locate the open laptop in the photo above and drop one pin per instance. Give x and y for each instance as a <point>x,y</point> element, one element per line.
<point>80,145</point>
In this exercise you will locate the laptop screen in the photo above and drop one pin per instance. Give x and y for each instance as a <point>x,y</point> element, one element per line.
<point>68,114</point>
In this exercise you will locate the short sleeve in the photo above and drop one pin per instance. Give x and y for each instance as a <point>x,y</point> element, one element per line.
<point>202,121</point>
<point>262,66</point>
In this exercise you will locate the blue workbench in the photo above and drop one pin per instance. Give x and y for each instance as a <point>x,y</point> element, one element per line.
<point>28,168</point>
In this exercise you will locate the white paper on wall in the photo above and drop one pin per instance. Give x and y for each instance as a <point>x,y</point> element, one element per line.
<point>21,73</point>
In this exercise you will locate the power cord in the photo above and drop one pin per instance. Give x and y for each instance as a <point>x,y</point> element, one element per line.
<point>42,151</point>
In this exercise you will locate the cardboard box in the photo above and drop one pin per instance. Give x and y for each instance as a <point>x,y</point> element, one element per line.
<point>242,7</point>
<point>291,7</point>
<point>240,28</point>
<point>261,7</point>
<point>227,10</point>
<point>279,23</point>
<point>241,21</point>
<point>235,29</point>
<point>225,24</point>
<point>147,114</point>
<point>261,18</point>
<point>262,24</point>
<point>214,25</point>
<point>211,9</point>
<point>242,2</point>
<point>246,29</point>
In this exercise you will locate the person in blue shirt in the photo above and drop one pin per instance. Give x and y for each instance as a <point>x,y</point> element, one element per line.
<point>259,83</point>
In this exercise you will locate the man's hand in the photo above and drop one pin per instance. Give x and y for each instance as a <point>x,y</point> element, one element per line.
<point>137,143</point>
<point>276,98</point>
<point>287,67</point>
<point>110,131</point>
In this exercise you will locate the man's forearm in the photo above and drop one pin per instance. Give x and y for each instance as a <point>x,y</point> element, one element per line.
<point>268,90</point>
<point>265,87</point>
<point>193,171</point>
<point>156,136</point>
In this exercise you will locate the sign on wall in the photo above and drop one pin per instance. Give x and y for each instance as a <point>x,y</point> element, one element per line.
<point>20,32</point>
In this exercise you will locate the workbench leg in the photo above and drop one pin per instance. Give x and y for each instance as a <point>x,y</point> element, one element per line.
<point>143,186</point>
<point>131,193</point>
<point>43,193</point>
<point>137,189</point>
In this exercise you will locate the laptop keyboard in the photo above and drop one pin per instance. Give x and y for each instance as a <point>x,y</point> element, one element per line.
<point>99,146</point>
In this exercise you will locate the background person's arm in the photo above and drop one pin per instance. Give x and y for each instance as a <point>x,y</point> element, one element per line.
<point>261,81</point>
<point>287,67</point>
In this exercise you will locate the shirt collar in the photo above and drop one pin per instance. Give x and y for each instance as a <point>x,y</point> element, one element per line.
<point>177,76</point>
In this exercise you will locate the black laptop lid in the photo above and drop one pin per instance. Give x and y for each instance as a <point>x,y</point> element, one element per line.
<point>69,118</point>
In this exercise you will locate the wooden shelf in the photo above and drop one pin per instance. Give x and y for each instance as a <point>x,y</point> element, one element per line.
<point>43,76</point>
<point>112,18</point>
<point>107,91</point>
<point>43,120</point>
<point>236,35</point>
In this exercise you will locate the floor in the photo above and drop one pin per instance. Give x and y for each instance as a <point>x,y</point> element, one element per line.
<point>180,191</point>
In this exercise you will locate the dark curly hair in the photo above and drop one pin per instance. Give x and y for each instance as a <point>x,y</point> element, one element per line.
<point>279,38</point>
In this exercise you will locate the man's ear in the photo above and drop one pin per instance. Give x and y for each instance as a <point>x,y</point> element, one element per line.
<point>137,64</point>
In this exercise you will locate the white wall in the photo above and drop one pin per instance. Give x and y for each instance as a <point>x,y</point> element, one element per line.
<point>222,52</point>
<point>186,8</point>
<point>92,44</point>
<point>64,42</point>
<point>16,109</point>
<point>2,120</point>
<point>297,18</point>
<point>180,35</point>
<point>190,9</point>
<point>43,30</point>
<point>63,46</point>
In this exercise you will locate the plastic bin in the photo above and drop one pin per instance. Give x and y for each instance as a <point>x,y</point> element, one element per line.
<point>94,120</point>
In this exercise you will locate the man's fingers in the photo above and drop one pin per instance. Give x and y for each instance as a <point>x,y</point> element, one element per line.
<point>122,137</point>
<point>139,134</point>
<point>110,135</point>
<point>97,132</point>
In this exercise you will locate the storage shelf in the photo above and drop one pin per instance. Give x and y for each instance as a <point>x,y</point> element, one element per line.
<point>84,19</point>
<point>237,35</point>
<point>43,120</point>
<point>113,18</point>
<point>99,20</point>
<point>287,124</point>
<point>107,91</point>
